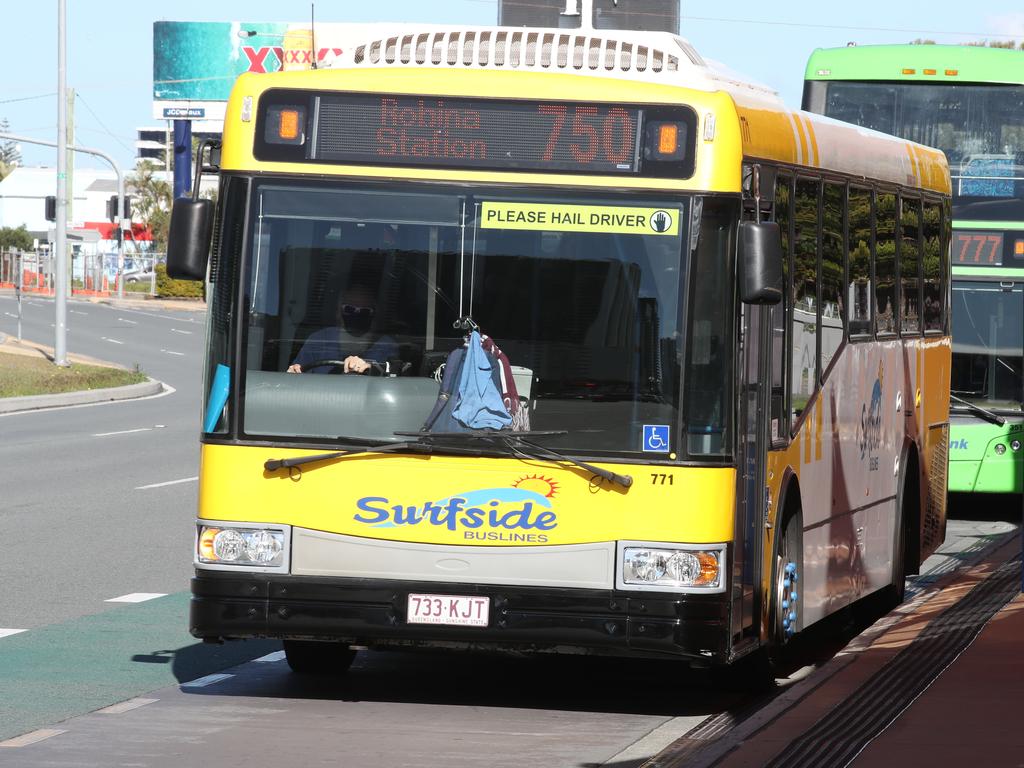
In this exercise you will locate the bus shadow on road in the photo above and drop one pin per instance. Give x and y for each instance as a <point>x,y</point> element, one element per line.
<point>197,660</point>
<point>569,683</point>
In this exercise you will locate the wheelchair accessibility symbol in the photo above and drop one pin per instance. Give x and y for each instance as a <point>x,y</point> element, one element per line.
<point>656,438</point>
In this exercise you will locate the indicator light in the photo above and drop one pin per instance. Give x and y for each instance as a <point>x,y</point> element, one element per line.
<point>929,71</point>
<point>1018,247</point>
<point>909,71</point>
<point>668,138</point>
<point>289,125</point>
<point>952,72</point>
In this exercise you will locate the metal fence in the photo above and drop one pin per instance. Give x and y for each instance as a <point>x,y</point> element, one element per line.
<point>88,274</point>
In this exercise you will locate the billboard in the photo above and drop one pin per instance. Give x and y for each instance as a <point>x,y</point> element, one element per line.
<point>196,63</point>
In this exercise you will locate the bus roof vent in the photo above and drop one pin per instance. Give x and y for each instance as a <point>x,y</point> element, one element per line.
<point>527,49</point>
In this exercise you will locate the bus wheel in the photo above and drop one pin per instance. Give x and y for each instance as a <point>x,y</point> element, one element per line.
<point>788,566</point>
<point>309,657</point>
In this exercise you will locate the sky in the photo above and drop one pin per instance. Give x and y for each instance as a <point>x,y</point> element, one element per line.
<point>110,47</point>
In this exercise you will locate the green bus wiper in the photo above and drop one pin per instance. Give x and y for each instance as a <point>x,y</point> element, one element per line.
<point>516,441</point>
<point>986,414</point>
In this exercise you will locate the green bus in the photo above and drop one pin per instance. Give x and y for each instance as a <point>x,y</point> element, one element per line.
<point>967,101</point>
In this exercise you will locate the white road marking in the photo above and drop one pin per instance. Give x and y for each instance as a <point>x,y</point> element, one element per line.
<point>11,314</point>
<point>112,341</point>
<point>169,482</point>
<point>123,432</point>
<point>169,352</point>
<point>125,706</point>
<point>136,597</point>
<point>208,680</point>
<point>175,330</point>
<point>9,632</point>
<point>31,738</point>
<point>168,390</point>
<point>271,657</point>
<point>126,320</point>
<point>76,312</point>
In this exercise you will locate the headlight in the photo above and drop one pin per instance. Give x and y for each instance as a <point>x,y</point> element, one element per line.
<point>672,569</point>
<point>221,545</point>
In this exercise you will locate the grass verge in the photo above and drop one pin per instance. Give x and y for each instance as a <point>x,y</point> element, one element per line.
<point>21,375</point>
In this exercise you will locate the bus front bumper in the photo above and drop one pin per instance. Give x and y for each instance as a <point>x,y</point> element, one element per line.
<point>522,619</point>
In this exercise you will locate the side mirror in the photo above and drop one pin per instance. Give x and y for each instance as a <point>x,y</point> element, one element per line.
<point>188,241</point>
<point>760,262</point>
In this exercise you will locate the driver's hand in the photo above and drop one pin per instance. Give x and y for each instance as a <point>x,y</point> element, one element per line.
<point>355,364</point>
<point>294,368</point>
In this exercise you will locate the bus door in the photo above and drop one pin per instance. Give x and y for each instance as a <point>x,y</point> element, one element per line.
<point>755,372</point>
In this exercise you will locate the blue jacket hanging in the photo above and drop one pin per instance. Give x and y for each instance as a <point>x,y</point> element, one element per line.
<point>479,404</point>
<point>470,396</point>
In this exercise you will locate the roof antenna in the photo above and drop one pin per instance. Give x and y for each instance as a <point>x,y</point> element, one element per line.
<point>312,33</point>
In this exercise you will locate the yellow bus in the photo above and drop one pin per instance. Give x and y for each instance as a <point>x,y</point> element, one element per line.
<point>543,341</point>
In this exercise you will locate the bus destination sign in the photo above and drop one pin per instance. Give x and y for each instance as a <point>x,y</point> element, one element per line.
<point>469,133</point>
<point>973,248</point>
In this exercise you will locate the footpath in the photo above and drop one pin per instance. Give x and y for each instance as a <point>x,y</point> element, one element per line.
<point>11,346</point>
<point>938,682</point>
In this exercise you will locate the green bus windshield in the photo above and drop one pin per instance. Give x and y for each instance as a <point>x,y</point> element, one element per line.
<point>988,331</point>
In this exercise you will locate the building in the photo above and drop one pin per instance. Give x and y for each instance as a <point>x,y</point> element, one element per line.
<point>151,142</point>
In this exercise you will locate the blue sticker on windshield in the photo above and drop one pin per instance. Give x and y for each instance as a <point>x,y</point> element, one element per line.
<point>656,438</point>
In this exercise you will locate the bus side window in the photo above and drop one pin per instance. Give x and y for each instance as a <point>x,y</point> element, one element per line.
<point>804,317</point>
<point>858,290</point>
<point>777,316</point>
<point>910,263</point>
<point>885,264</point>
<point>832,304</point>
<point>931,263</point>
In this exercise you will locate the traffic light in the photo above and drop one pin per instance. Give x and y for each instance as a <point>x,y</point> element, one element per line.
<point>51,208</point>
<point>112,208</point>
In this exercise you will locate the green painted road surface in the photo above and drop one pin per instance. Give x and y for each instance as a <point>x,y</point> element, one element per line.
<point>51,673</point>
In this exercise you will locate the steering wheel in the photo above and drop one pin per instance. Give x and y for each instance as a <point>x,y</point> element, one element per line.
<point>338,366</point>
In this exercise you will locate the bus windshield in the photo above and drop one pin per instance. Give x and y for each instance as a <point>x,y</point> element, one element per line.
<point>988,344</point>
<point>583,296</point>
<point>979,127</point>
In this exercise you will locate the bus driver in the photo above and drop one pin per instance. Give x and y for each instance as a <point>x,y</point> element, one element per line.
<point>350,341</point>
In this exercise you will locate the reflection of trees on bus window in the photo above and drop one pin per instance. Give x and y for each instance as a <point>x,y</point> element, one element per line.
<point>932,267</point>
<point>859,247</point>
<point>778,312</point>
<point>885,264</point>
<point>804,336</point>
<point>910,258</point>
<point>833,311</point>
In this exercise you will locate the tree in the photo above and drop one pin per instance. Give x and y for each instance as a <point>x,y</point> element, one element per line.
<point>10,156</point>
<point>151,203</point>
<point>15,238</point>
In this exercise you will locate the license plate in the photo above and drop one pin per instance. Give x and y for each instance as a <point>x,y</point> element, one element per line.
<point>454,610</point>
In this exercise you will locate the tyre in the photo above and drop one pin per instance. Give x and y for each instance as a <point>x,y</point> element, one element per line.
<point>788,572</point>
<point>309,657</point>
<point>896,592</point>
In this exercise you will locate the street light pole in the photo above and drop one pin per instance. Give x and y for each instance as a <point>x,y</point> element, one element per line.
<point>60,355</point>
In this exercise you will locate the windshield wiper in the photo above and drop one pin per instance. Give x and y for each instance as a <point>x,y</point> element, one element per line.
<point>417,447</point>
<point>515,441</point>
<point>986,414</point>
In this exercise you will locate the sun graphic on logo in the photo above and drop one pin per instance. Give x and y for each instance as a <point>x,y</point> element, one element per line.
<point>545,486</point>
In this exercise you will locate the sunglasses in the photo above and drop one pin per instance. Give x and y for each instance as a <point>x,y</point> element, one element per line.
<point>353,310</point>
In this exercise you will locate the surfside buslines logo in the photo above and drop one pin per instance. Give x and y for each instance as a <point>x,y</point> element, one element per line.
<point>521,513</point>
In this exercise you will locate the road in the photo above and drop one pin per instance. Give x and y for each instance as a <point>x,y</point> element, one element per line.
<point>98,502</point>
<point>97,505</point>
